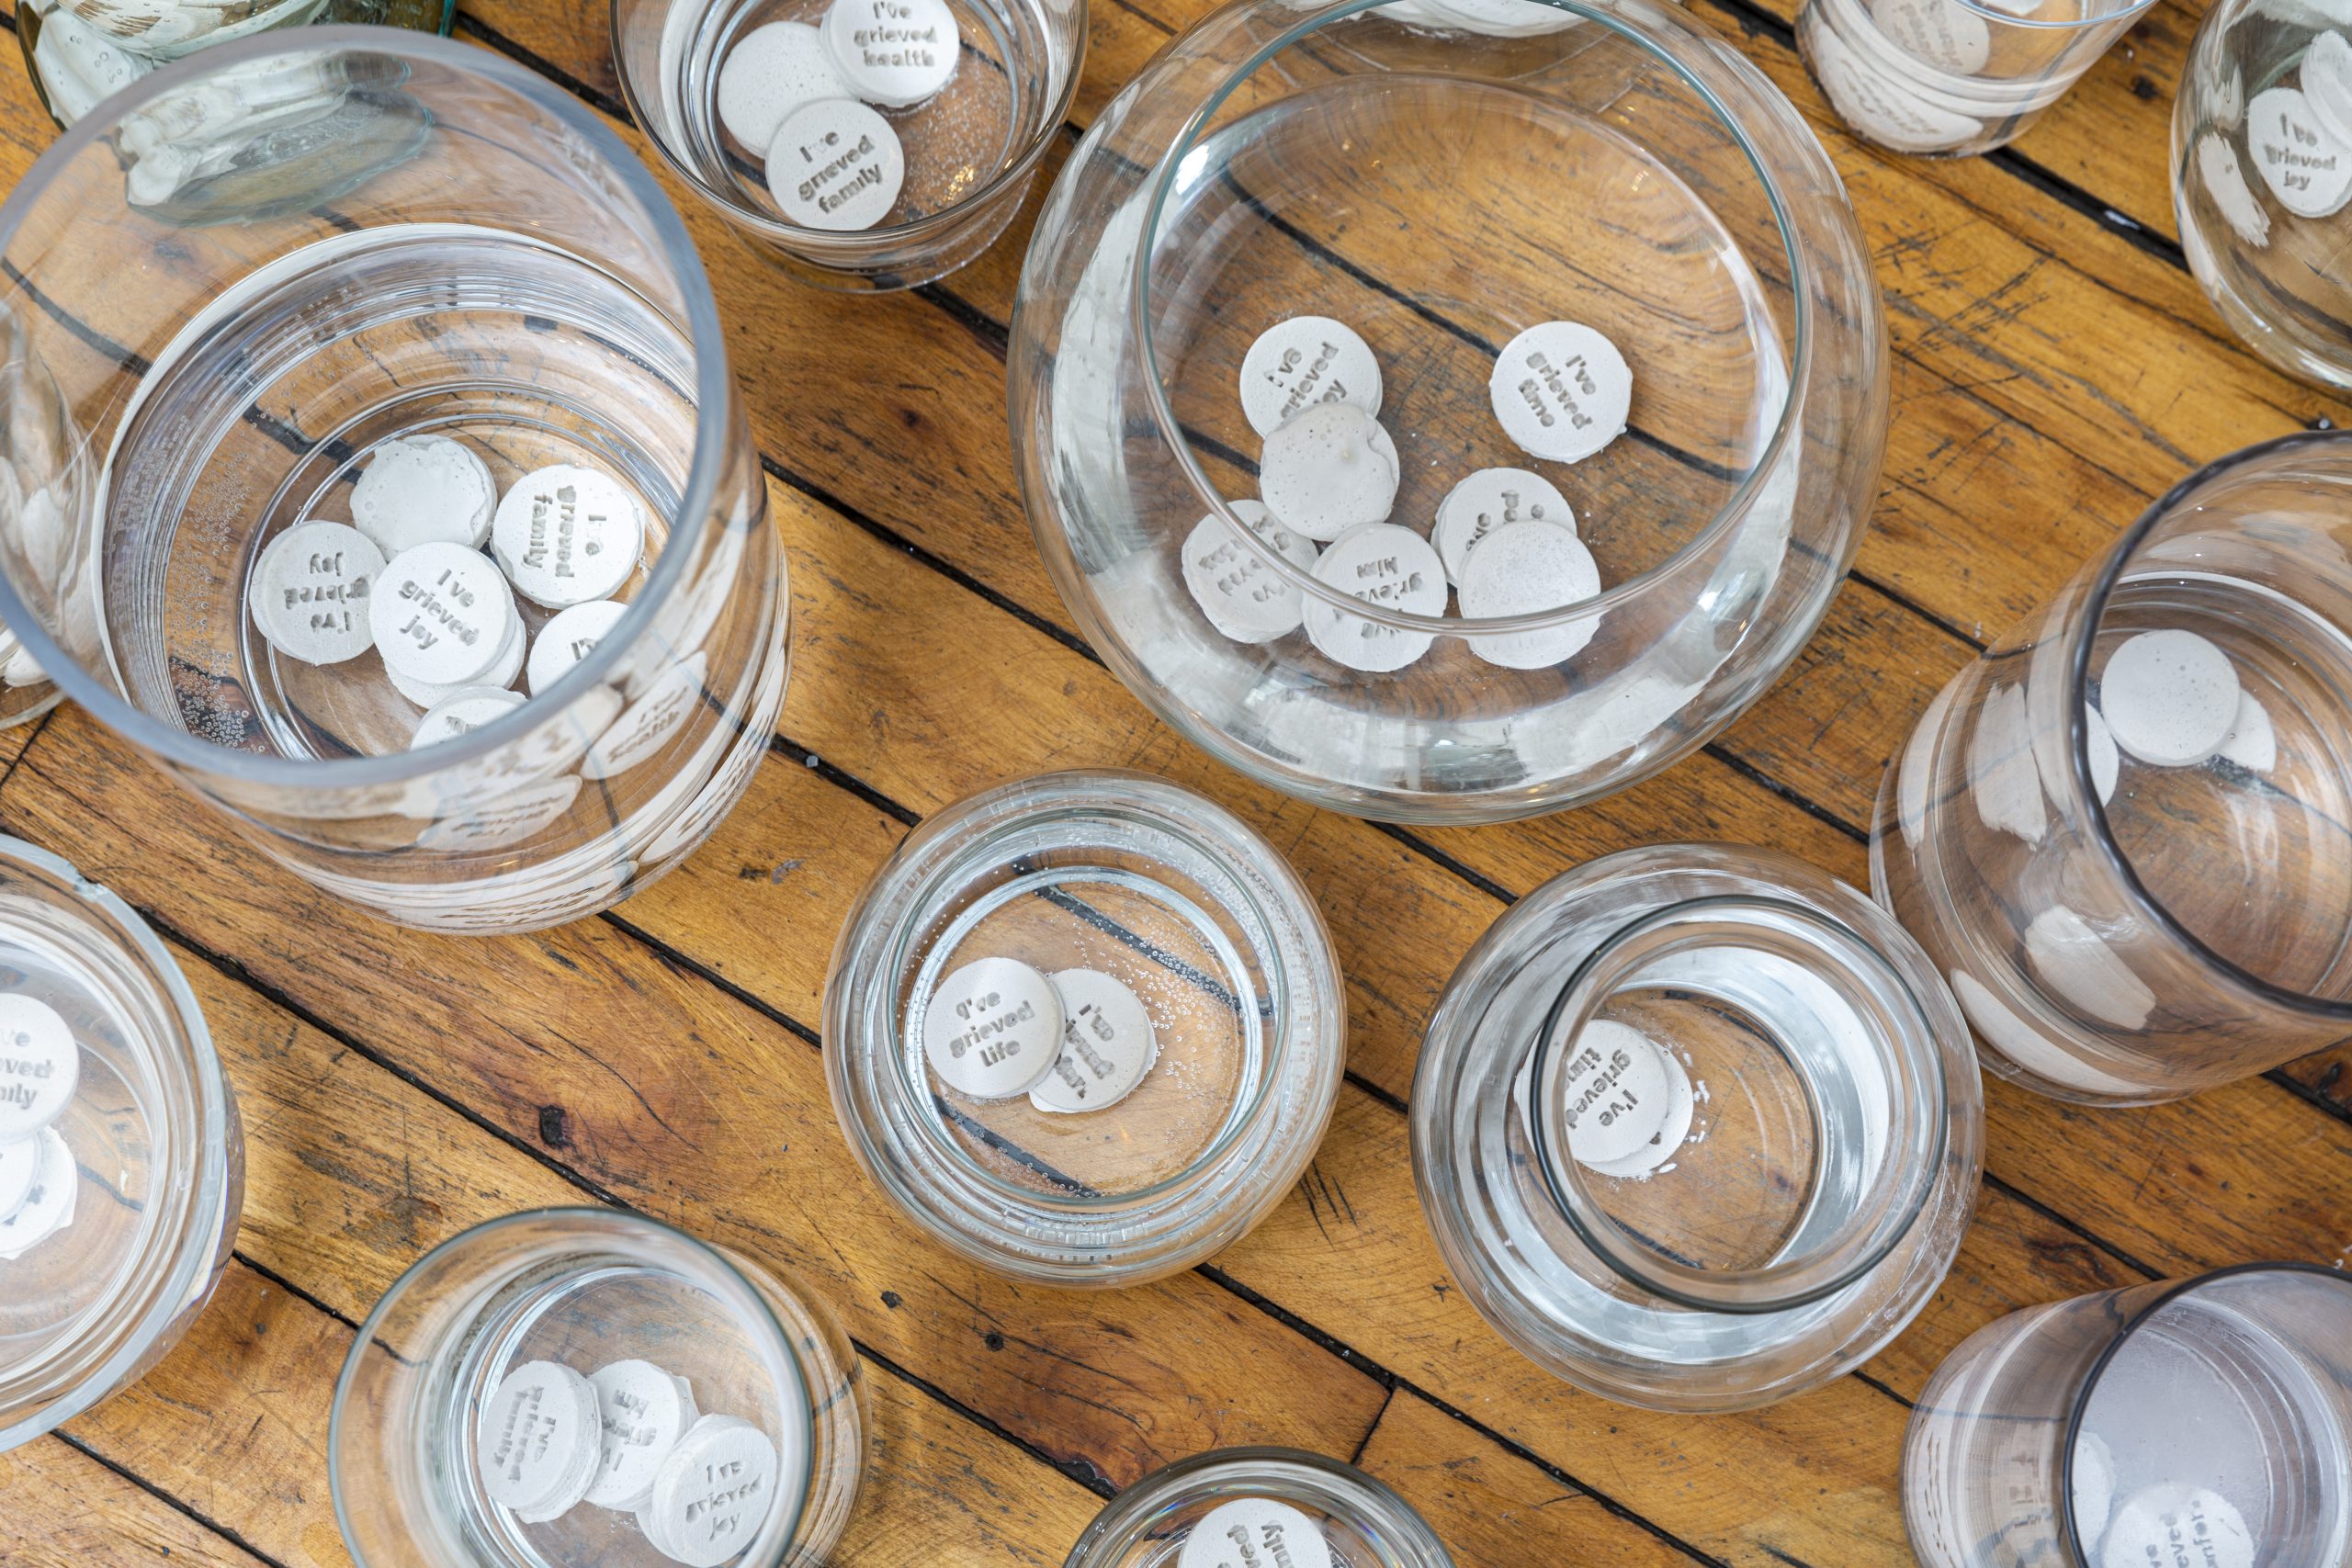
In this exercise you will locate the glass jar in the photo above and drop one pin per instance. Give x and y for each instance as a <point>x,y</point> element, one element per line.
<point>1697,1127</point>
<point>421,249</point>
<point>576,1386</point>
<point>958,161</point>
<point>122,1167</point>
<point>1185,1033</point>
<point>1360,1523</point>
<point>77,51</point>
<point>1302,203</point>
<point>2198,1421</point>
<point>2261,171</point>
<point>2117,831</point>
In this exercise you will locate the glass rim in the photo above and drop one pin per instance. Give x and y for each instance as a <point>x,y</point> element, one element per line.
<point>781,1341</point>
<point>214,1124</point>
<point>820,242</point>
<point>1788,1284</point>
<point>2166,1294</point>
<point>713,393</point>
<point>1140,1506</point>
<point>1742,500</point>
<point>2078,657</point>
<point>1992,13</point>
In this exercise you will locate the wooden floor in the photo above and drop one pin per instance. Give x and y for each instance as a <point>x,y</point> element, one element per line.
<point>2055,368</point>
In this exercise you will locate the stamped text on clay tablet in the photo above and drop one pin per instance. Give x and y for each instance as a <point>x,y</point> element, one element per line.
<point>1561,390</point>
<point>1108,1044</point>
<point>993,1029</point>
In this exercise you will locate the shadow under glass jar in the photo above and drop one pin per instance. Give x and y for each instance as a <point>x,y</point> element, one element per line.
<point>117,1213</point>
<point>1111,876</point>
<point>1237,1494</point>
<point>1290,169</point>
<point>1697,1128</point>
<point>455,1394</point>
<point>438,247</point>
<point>2200,1421</point>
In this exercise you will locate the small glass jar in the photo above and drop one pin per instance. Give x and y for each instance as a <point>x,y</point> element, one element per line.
<point>569,1387</point>
<point>118,1206</point>
<point>1697,1127</point>
<point>1305,207</point>
<point>1361,1522</point>
<point>2202,1422</point>
<point>961,158</point>
<point>2262,174</point>
<point>1122,891</point>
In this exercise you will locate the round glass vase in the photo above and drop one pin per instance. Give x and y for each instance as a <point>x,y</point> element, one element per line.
<point>1363,1523</point>
<point>2262,174</point>
<point>1697,1127</point>
<point>438,244</point>
<point>1325,160</point>
<point>967,154</point>
<point>132,1222</point>
<point>1200,919</point>
<point>587,1289</point>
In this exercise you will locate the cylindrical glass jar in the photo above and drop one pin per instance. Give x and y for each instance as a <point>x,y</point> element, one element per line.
<point>441,247</point>
<point>1953,77</point>
<point>2130,862</point>
<point>724,1396</point>
<point>2261,171</point>
<point>1361,1522</point>
<point>123,1171</point>
<point>962,158</point>
<point>1310,188</point>
<point>2200,1422</point>
<point>1697,1127</point>
<point>1219,1091</point>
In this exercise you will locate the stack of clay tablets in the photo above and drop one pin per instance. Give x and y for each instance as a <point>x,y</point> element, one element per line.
<point>1075,1040</point>
<point>1504,539</point>
<point>2171,699</point>
<point>40,1066</point>
<point>1255,1532</point>
<point>805,98</point>
<point>626,1438</point>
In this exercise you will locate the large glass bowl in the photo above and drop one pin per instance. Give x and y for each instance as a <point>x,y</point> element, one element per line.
<point>1438,189</point>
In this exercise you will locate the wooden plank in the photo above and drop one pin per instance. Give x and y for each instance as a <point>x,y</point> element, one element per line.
<point>60,1509</point>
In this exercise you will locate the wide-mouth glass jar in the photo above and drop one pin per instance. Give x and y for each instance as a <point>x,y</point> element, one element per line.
<point>431,310</point>
<point>1259,1507</point>
<point>2200,1422</point>
<point>1328,304</point>
<point>121,1166</point>
<point>1697,1127</point>
<point>575,1386</point>
<point>1085,1028</point>
<point>889,185</point>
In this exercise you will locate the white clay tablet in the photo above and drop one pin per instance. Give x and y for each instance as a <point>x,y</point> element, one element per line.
<point>2105,762</point>
<point>567,535</point>
<point>647,723</point>
<point>2225,177</point>
<point>569,637</point>
<point>19,1163</point>
<point>993,1029</point>
<point>2094,1494</point>
<point>835,164</point>
<point>771,72</point>
<point>1306,360</point>
<point>2169,697</point>
<point>48,1208</point>
<point>713,1493</point>
<point>894,52</point>
<point>310,592</point>
<point>39,1066</point>
<point>424,491</point>
<point>2327,83</point>
<point>1255,1532</point>
<point>1880,108</point>
<point>463,714</point>
<point>1329,469</point>
<point>2307,167</point>
<point>510,818</point>
<point>1518,569</point>
<point>2254,743</point>
<point>1239,592</point>
<point>1108,1044</point>
<point>1381,564</point>
<point>539,1439</point>
<point>1617,1096</point>
<point>1674,1125</point>
<point>1944,33</point>
<point>2165,1524</point>
<point>442,615</point>
<point>644,1412</point>
<point>1560,390</point>
<point>429,694</point>
<point>1488,499</point>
